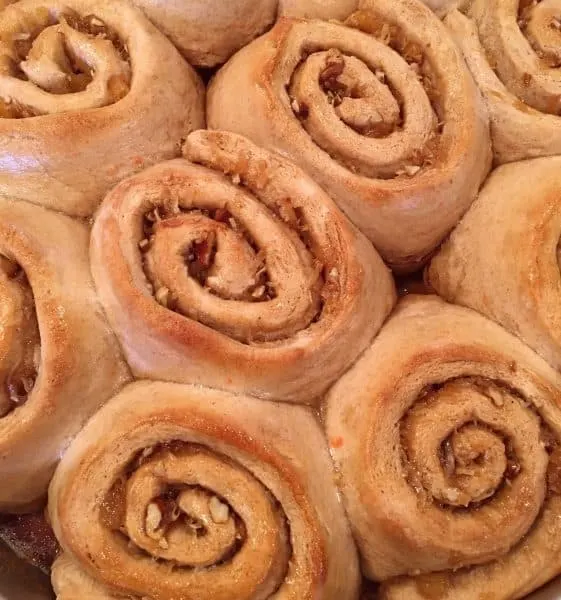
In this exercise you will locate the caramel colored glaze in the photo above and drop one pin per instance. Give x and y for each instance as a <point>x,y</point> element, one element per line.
<point>413,284</point>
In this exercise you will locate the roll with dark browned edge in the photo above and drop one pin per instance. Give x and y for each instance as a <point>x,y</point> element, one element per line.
<point>447,437</point>
<point>90,93</point>
<point>235,270</point>
<point>59,361</point>
<point>504,258</point>
<point>513,49</point>
<point>183,492</point>
<point>381,111</point>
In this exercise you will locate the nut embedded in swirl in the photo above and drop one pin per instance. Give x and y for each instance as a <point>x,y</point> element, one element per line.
<point>251,281</point>
<point>190,494</point>
<point>503,260</point>
<point>82,90</point>
<point>381,111</point>
<point>450,458</point>
<point>513,49</point>
<point>53,335</point>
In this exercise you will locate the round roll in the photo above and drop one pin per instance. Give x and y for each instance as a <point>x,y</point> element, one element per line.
<point>503,260</point>
<point>447,437</point>
<point>90,93</point>
<point>233,269</point>
<point>208,32</point>
<point>58,359</point>
<point>513,49</point>
<point>182,492</point>
<point>382,112</point>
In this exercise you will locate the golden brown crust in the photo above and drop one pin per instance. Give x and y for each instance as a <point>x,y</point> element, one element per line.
<point>86,141</point>
<point>252,282</point>
<point>192,447</point>
<point>403,164</point>
<point>513,50</point>
<point>74,366</point>
<point>503,259</point>
<point>447,436</point>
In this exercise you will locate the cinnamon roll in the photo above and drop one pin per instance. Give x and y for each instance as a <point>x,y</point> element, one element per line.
<point>90,93</point>
<point>233,269</point>
<point>58,359</point>
<point>175,491</point>
<point>513,49</point>
<point>381,111</point>
<point>503,260</point>
<point>447,436</point>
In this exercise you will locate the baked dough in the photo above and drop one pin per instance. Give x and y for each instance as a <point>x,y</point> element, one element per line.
<point>233,269</point>
<point>90,93</point>
<point>447,435</point>
<point>164,461</point>
<point>381,111</point>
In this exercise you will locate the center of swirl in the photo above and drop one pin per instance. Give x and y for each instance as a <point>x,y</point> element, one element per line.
<point>186,505</point>
<point>20,350</point>
<point>54,61</point>
<point>234,265</point>
<point>376,107</point>
<point>461,448</point>
<point>362,99</point>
